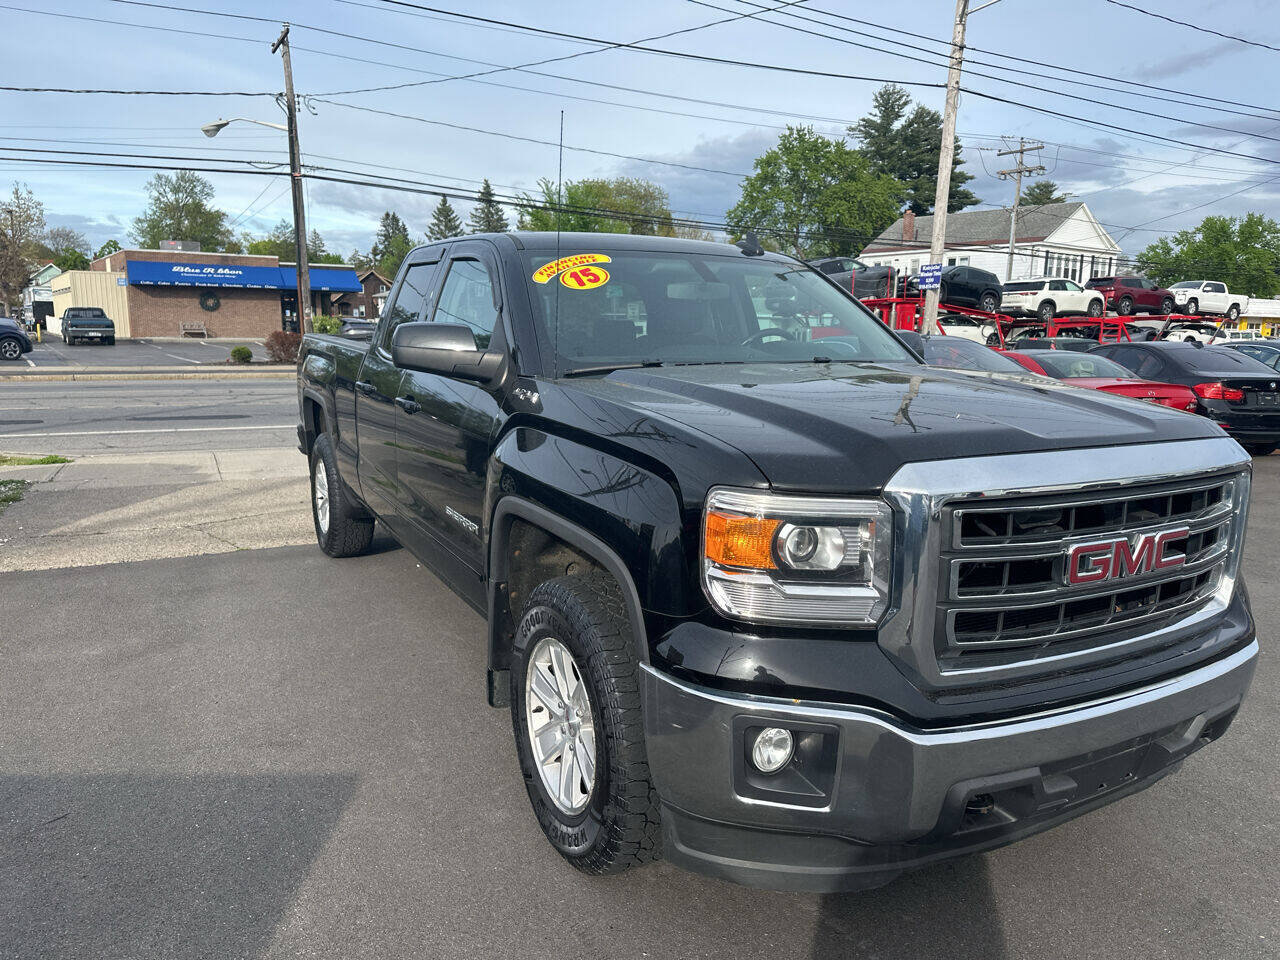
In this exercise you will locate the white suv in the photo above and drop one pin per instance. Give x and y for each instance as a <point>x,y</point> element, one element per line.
<point>1049,297</point>
<point>1206,296</point>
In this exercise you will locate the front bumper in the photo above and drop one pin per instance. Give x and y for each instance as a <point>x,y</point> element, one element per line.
<point>873,796</point>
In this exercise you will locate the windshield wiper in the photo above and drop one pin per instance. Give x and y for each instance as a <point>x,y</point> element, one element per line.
<point>610,367</point>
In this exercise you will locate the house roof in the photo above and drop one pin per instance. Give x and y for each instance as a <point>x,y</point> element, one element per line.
<point>366,273</point>
<point>977,227</point>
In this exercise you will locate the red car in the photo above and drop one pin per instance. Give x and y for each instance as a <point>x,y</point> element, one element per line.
<point>1098,373</point>
<point>1130,295</point>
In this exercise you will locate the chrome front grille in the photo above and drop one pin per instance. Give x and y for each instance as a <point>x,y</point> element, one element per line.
<point>1004,596</point>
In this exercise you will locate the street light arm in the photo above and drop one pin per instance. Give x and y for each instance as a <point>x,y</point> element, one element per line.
<point>215,128</point>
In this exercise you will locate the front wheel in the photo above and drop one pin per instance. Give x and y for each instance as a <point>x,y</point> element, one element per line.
<point>1166,306</point>
<point>1095,308</point>
<point>576,712</point>
<point>341,529</point>
<point>10,349</point>
<point>1193,307</point>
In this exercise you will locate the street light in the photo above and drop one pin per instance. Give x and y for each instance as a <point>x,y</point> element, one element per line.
<point>215,128</point>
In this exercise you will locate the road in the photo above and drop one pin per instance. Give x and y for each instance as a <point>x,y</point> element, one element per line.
<point>54,356</point>
<point>138,415</point>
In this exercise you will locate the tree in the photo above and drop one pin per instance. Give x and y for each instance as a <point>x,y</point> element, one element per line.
<point>70,259</point>
<point>21,226</point>
<point>1242,252</point>
<point>815,196</point>
<point>1042,192</point>
<point>58,239</point>
<point>361,261</point>
<point>280,243</point>
<point>906,145</point>
<point>108,248</point>
<point>179,209</point>
<point>617,205</point>
<point>487,215</point>
<point>391,244</point>
<point>444,222</point>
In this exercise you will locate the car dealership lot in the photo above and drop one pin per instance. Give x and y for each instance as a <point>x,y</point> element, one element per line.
<point>247,754</point>
<point>58,356</point>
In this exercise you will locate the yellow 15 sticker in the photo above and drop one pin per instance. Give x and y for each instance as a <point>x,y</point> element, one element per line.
<point>585,278</point>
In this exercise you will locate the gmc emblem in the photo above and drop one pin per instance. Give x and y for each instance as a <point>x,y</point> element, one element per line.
<point>1105,560</point>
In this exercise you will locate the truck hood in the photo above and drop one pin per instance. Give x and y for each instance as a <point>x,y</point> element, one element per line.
<point>849,427</point>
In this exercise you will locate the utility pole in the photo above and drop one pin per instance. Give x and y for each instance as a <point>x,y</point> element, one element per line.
<point>1017,173</point>
<point>295,180</point>
<point>946,156</point>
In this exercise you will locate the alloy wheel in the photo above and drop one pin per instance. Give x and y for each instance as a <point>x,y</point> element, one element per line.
<point>320,493</point>
<point>561,730</point>
<point>10,350</point>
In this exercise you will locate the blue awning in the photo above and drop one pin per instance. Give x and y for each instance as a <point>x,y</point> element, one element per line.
<point>322,278</point>
<point>161,273</point>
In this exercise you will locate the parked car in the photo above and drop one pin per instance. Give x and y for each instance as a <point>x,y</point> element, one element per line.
<point>1050,297</point>
<point>776,600</point>
<point>14,341</point>
<point>357,329</point>
<point>1192,331</point>
<point>863,280</point>
<point>1264,351</point>
<point>1207,296</point>
<point>1238,393</point>
<point>87,323</point>
<point>961,354</point>
<point>1094,372</point>
<point>1130,295</point>
<point>1075,344</point>
<point>964,286</point>
<point>967,328</point>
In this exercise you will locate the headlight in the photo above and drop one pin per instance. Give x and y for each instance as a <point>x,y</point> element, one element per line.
<point>819,560</point>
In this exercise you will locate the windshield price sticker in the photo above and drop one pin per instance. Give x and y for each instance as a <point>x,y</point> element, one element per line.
<point>549,270</point>
<point>585,278</point>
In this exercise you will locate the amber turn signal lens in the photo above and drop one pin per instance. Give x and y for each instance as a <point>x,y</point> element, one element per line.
<point>736,541</point>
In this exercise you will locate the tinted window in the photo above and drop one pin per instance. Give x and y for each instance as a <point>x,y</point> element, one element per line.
<point>1057,285</point>
<point>1067,364</point>
<point>1023,285</point>
<point>467,297</point>
<point>1219,362</point>
<point>1215,287</point>
<point>967,355</point>
<point>1186,285</point>
<point>410,299</point>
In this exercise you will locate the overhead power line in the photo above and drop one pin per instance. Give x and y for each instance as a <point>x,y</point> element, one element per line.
<point>1193,26</point>
<point>145,93</point>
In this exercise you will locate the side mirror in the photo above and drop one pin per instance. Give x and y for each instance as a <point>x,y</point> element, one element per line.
<point>448,349</point>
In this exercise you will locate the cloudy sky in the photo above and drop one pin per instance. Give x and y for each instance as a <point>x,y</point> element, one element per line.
<point>621,103</point>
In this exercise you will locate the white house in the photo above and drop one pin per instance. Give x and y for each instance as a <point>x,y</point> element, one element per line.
<point>1052,239</point>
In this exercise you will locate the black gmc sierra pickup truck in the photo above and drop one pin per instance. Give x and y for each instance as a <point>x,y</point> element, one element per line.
<point>765,595</point>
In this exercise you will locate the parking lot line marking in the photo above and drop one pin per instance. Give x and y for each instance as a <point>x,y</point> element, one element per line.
<point>29,363</point>
<point>119,433</point>
<point>183,359</point>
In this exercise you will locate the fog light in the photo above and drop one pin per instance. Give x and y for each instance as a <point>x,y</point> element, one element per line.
<point>772,749</point>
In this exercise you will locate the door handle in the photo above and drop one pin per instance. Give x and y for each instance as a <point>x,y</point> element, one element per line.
<point>364,386</point>
<point>408,404</point>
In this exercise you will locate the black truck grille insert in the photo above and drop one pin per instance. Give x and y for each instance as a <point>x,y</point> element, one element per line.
<point>1006,595</point>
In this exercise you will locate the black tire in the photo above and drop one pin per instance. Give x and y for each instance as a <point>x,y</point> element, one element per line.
<point>1233,312</point>
<point>111,341</point>
<point>349,530</point>
<point>620,826</point>
<point>1193,307</point>
<point>10,349</point>
<point>1260,449</point>
<point>1125,307</point>
<point>1166,306</point>
<point>1095,308</point>
<point>1047,311</point>
<point>989,303</point>
<point>942,292</point>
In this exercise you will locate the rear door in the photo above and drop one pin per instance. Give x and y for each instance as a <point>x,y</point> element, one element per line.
<point>446,425</point>
<point>379,385</point>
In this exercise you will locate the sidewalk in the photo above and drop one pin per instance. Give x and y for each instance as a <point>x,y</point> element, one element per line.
<point>112,508</point>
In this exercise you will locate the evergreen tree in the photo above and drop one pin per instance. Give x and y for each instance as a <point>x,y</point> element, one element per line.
<point>487,216</point>
<point>444,222</point>
<point>905,146</point>
<point>391,244</point>
<point>1041,192</point>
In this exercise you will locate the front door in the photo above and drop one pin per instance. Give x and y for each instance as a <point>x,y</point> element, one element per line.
<point>379,385</point>
<point>446,425</point>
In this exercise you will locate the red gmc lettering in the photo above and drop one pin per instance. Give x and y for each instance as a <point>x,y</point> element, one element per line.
<point>1114,559</point>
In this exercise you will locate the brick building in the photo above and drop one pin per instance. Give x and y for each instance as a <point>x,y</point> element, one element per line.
<point>164,293</point>
<point>367,304</point>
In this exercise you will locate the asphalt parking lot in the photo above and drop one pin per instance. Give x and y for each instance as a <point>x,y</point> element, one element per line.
<point>267,753</point>
<point>52,354</point>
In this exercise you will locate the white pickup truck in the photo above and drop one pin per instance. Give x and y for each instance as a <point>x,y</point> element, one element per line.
<point>1207,296</point>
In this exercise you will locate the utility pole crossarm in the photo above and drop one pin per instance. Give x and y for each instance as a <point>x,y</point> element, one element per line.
<point>1017,174</point>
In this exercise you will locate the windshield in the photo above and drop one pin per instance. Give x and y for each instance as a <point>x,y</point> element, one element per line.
<point>606,307</point>
<point>967,355</point>
<point>1065,366</point>
<point>1186,285</point>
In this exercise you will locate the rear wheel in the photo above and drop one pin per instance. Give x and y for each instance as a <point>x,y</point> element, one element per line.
<point>575,708</point>
<point>1233,312</point>
<point>1125,306</point>
<point>1095,308</point>
<point>1047,311</point>
<point>1260,449</point>
<point>10,349</point>
<point>342,529</point>
<point>989,303</point>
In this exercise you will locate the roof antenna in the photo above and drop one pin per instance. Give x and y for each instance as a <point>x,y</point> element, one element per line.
<point>749,245</point>
<point>555,336</point>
